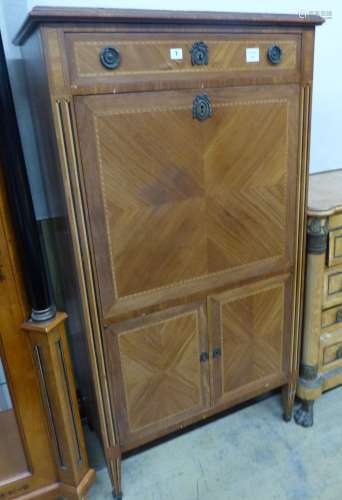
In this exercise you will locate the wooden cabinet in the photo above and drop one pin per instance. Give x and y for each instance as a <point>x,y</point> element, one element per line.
<point>42,448</point>
<point>181,143</point>
<point>321,364</point>
<point>26,458</point>
<point>42,451</point>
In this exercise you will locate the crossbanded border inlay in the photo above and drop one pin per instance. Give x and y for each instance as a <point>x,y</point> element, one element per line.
<point>203,69</point>
<point>102,183</point>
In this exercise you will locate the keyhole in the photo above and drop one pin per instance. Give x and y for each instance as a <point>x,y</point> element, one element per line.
<point>202,108</point>
<point>200,56</point>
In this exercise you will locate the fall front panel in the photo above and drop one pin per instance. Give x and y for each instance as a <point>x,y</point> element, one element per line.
<point>175,201</point>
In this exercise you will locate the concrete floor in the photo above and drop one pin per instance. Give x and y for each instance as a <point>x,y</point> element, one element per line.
<point>251,454</point>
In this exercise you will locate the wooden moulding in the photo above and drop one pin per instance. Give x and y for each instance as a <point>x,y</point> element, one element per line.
<point>51,355</point>
<point>39,15</point>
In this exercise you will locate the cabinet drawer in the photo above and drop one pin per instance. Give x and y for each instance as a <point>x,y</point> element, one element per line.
<point>332,316</point>
<point>332,294</point>
<point>140,61</point>
<point>331,349</point>
<point>333,353</point>
<point>335,247</point>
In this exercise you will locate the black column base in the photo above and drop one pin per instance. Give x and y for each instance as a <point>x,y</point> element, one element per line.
<point>43,314</point>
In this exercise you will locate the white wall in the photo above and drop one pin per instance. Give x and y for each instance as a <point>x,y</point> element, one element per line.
<point>326,140</point>
<point>12,14</point>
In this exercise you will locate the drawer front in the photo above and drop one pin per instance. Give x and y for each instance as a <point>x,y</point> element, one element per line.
<point>332,294</point>
<point>335,247</point>
<point>331,317</point>
<point>331,350</point>
<point>138,59</point>
<point>335,221</point>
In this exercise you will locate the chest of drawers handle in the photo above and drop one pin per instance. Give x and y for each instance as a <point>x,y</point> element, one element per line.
<point>274,54</point>
<point>110,57</point>
<point>199,53</point>
<point>339,353</point>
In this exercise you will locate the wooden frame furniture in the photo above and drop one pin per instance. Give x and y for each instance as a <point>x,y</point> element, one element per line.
<point>42,452</point>
<point>42,449</point>
<point>321,366</point>
<point>180,142</point>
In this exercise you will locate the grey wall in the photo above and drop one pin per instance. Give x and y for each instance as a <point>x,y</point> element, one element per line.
<point>12,14</point>
<point>326,144</point>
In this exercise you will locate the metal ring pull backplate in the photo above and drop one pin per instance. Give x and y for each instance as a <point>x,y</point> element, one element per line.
<point>110,57</point>
<point>201,107</point>
<point>274,54</point>
<point>199,53</point>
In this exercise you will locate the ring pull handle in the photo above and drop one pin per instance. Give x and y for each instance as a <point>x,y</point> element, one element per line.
<point>110,57</point>
<point>199,53</point>
<point>201,107</point>
<point>217,352</point>
<point>204,357</point>
<point>274,54</point>
<point>339,353</point>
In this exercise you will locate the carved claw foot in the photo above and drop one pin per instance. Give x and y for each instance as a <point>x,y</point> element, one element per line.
<point>304,414</point>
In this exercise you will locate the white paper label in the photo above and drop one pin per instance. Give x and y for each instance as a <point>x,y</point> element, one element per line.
<point>176,54</point>
<point>252,55</point>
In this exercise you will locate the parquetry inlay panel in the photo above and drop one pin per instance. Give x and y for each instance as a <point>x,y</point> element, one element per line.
<point>185,199</point>
<point>252,336</point>
<point>161,369</point>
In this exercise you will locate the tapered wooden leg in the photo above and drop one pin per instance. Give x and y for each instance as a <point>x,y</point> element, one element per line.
<point>51,353</point>
<point>288,395</point>
<point>114,462</point>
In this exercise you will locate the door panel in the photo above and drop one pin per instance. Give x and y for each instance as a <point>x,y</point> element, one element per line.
<point>177,203</point>
<point>249,325</point>
<point>157,361</point>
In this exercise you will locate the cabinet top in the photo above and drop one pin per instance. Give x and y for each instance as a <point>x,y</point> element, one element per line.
<point>325,193</point>
<point>44,15</point>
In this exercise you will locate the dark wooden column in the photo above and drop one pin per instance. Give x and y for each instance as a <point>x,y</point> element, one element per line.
<point>21,205</point>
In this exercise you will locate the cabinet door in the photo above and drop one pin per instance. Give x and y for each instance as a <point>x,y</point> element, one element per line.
<point>178,205</point>
<point>250,336</point>
<point>159,374</point>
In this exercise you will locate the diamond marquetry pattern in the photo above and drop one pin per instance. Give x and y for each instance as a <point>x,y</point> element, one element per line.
<point>186,199</point>
<point>252,333</point>
<point>161,369</point>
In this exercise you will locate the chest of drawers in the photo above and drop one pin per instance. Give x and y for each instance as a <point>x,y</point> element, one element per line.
<point>321,367</point>
<point>181,140</point>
